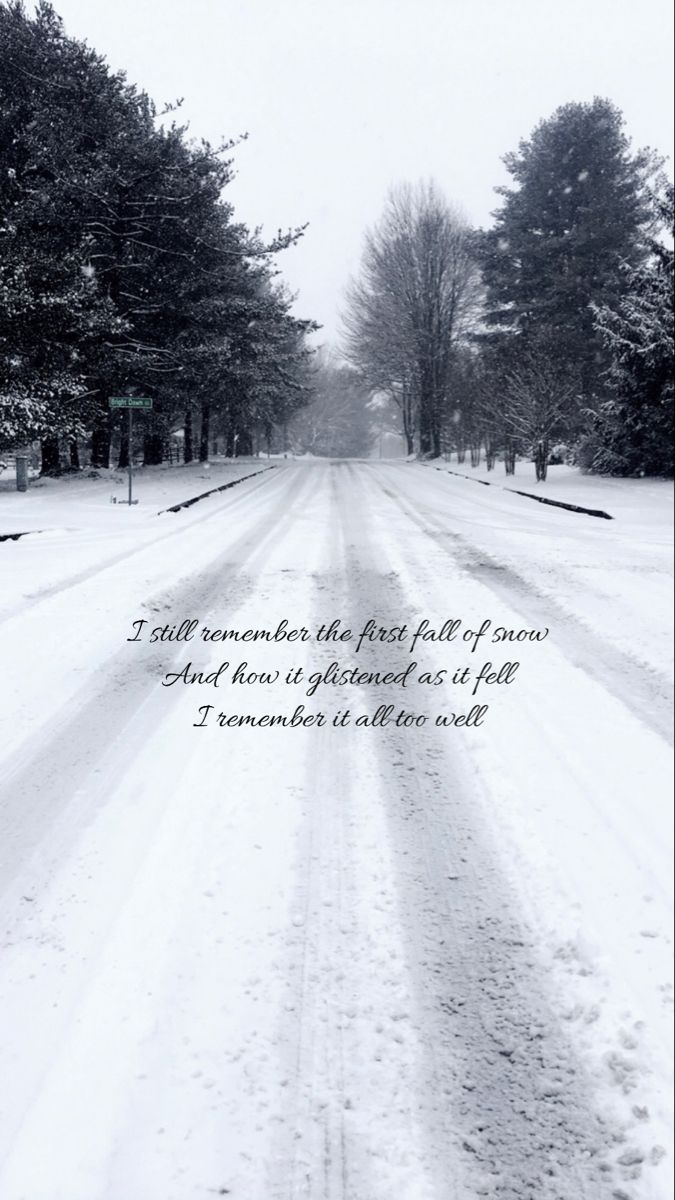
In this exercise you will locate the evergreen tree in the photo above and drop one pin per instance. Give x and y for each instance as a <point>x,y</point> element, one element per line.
<point>577,212</point>
<point>52,315</point>
<point>633,434</point>
<point>122,266</point>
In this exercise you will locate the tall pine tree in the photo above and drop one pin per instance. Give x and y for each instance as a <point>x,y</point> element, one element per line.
<point>577,212</point>
<point>121,265</point>
<point>633,434</point>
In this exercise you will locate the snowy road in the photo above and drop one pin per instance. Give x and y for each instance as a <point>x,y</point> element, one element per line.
<point>336,963</point>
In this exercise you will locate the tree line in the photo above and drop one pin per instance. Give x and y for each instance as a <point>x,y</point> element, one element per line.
<point>554,326</point>
<point>124,270</point>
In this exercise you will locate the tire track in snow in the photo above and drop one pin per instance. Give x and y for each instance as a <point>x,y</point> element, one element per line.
<point>319,1156</point>
<point>354,1052</point>
<point>51,769</point>
<point>456,951</point>
<point>131,894</point>
<point>611,987</point>
<point>627,679</point>
<point>242,499</point>
<point>319,1159</point>
<point>505,1093</point>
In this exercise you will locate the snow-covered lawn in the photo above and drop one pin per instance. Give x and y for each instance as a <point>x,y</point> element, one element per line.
<point>611,575</point>
<point>90,497</point>
<point>643,501</point>
<point>79,521</point>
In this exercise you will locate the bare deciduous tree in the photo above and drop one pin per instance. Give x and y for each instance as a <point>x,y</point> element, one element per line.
<point>417,297</point>
<point>540,394</point>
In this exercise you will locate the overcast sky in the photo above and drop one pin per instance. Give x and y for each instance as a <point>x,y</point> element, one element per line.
<point>341,98</point>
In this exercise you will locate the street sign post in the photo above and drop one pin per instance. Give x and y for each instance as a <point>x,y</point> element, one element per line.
<point>130,403</point>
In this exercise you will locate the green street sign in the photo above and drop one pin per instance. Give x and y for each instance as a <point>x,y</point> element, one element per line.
<point>130,402</point>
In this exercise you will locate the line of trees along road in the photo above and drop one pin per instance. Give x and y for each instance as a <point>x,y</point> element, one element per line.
<point>554,325</point>
<point>122,266</point>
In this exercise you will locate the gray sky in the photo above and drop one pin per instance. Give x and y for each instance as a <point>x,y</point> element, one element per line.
<point>342,98</point>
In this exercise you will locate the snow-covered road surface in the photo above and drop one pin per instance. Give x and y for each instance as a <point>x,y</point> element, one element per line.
<point>336,963</point>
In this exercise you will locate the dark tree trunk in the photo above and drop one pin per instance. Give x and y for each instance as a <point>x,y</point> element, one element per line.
<point>426,445</point>
<point>100,442</point>
<point>230,442</point>
<point>51,458</point>
<point>426,409</point>
<point>510,457</point>
<point>475,456</point>
<point>74,450</point>
<point>153,449</point>
<point>461,452</point>
<point>188,440</point>
<point>490,453</point>
<point>204,432</point>
<point>435,430</point>
<point>541,460</point>
<point>245,444</point>
<point>408,412</point>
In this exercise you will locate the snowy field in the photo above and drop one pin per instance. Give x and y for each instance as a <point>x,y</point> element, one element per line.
<point>325,963</point>
<point>628,499</point>
<point>84,520</point>
<point>90,497</point>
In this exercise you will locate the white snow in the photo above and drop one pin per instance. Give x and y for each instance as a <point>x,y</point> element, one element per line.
<point>79,525</point>
<point>322,963</point>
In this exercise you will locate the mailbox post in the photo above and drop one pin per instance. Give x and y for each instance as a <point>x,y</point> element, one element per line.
<point>130,403</point>
<point>22,472</point>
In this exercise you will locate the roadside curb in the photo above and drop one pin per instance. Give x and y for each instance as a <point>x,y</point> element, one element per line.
<point>14,537</point>
<point>578,508</point>
<point>212,491</point>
